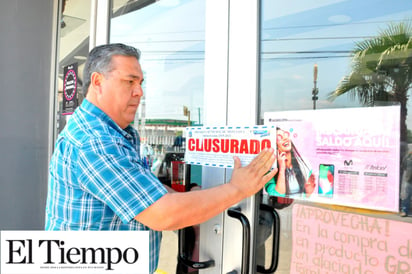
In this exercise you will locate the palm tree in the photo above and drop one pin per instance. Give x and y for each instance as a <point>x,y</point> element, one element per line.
<point>381,70</point>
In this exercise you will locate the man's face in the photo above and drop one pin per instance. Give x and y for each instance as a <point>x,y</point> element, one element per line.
<point>122,90</point>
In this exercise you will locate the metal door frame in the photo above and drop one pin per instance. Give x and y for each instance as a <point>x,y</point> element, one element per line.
<point>230,98</point>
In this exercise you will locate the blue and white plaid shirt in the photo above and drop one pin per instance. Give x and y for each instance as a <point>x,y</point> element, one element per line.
<point>97,180</point>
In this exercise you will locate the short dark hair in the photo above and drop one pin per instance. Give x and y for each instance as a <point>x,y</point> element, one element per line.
<point>100,58</point>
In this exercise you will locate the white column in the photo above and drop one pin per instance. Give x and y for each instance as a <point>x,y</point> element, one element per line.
<point>99,22</point>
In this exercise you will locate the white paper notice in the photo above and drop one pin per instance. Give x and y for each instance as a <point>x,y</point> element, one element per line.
<point>216,146</point>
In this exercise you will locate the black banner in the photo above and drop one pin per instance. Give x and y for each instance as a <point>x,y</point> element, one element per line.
<point>70,101</point>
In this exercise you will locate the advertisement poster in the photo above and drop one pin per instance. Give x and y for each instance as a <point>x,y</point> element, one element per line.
<point>216,146</point>
<point>330,241</point>
<point>70,89</point>
<point>344,156</point>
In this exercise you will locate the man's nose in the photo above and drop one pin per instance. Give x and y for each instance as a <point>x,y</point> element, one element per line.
<point>137,91</point>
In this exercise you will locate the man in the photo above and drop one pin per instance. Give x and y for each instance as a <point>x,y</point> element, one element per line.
<point>97,180</point>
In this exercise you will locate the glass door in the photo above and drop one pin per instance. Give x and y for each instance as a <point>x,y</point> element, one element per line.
<point>74,31</point>
<point>171,37</point>
<point>320,56</point>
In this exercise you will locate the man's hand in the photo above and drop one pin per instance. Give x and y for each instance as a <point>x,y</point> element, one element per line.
<point>251,178</point>
<point>176,210</point>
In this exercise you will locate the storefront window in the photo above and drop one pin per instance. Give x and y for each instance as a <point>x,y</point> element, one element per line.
<point>300,37</point>
<point>73,50</point>
<point>319,61</point>
<point>171,37</point>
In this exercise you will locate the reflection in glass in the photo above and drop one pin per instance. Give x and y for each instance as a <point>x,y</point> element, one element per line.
<point>381,70</point>
<point>337,54</point>
<point>297,36</point>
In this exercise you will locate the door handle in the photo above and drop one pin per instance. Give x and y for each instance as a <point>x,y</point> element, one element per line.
<point>235,213</point>
<point>182,254</point>
<point>275,244</point>
<point>184,258</point>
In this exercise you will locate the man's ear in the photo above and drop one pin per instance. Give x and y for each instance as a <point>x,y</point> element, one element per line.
<point>96,82</point>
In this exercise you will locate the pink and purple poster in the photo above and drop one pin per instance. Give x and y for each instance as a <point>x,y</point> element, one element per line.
<point>344,156</point>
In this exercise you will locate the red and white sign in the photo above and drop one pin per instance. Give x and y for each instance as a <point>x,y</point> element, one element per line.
<point>216,146</point>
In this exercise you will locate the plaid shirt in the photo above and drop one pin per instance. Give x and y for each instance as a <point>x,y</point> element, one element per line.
<point>97,180</point>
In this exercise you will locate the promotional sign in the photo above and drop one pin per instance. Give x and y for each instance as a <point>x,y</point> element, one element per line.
<point>340,156</point>
<point>216,146</point>
<point>80,252</point>
<point>330,241</point>
<point>70,89</point>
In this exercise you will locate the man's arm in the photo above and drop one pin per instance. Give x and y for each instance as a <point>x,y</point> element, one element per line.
<point>176,210</point>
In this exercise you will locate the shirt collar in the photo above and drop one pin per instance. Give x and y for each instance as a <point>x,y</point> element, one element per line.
<point>129,132</point>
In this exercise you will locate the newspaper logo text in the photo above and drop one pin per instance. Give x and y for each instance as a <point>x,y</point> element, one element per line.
<point>54,252</point>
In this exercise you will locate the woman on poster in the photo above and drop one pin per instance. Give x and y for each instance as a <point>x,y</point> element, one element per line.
<point>294,177</point>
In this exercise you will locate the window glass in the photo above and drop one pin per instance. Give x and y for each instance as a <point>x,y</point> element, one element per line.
<point>73,50</point>
<point>171,37</point>
<point>298,36</point>
<point>338,54</point>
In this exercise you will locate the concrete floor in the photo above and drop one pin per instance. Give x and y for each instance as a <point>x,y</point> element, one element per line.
<point>168,253</point>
